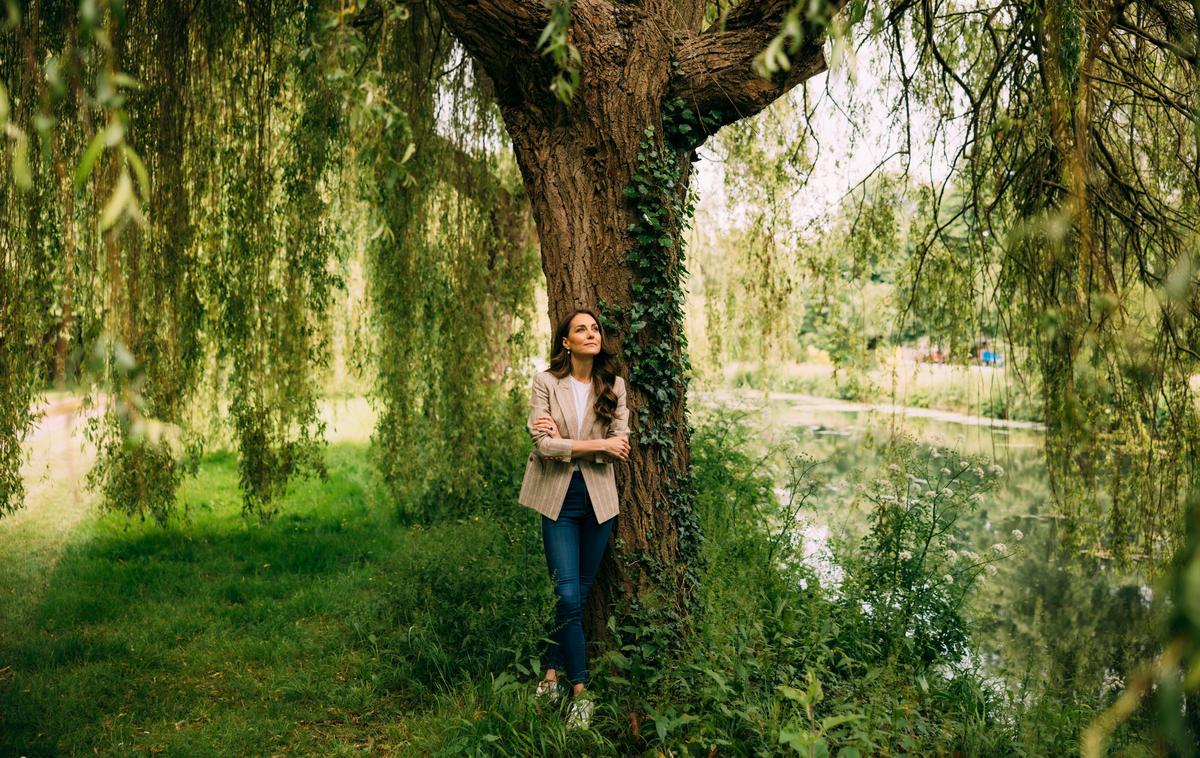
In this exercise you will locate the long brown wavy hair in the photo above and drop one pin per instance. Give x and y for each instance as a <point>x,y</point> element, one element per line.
<point>604,366</point>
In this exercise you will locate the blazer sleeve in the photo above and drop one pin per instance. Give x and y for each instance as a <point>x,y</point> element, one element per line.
<point>544,446</point>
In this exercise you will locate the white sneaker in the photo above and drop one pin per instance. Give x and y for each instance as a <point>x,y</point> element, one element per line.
<point>579,714</point>
<point>548,691</point>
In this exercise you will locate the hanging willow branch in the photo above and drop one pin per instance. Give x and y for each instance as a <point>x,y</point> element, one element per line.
<point>1080,187</point>
<point>177,240</point>
<point>452,267</point>
<point>225,253</point>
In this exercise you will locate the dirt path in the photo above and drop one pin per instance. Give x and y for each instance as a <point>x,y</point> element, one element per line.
<point>56,502</point>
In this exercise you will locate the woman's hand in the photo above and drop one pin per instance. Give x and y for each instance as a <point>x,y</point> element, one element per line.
<point>546,424</point>
<point>617,447</point>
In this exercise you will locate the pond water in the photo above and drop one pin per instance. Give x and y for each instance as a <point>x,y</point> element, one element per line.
<point>1046,619</point>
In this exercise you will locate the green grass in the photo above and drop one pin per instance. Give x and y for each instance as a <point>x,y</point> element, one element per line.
<point>330,630</point>
<point>340,628</point>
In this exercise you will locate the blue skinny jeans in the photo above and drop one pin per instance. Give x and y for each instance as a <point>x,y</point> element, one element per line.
<point>574,546</point>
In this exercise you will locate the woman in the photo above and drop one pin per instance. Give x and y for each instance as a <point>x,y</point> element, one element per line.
<point>580,429</point>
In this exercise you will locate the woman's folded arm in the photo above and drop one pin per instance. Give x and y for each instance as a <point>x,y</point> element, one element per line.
<point>544,445</point>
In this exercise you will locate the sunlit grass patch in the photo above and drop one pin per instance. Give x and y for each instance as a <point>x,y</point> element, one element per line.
<point>231,629</point>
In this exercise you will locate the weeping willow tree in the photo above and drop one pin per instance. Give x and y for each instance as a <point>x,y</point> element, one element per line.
<point>1079,193</point>
<point>245,157</point>
<point>749,277</point>
<point>182,217</point>
<point>605,104</point>
<point>1067,224</point>
<point>452,266</point>
<point>171,168</point>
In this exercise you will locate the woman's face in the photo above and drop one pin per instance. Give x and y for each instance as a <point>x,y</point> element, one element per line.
<point>583,335</point>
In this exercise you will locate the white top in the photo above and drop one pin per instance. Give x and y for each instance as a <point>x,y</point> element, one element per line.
<point>581,390</point>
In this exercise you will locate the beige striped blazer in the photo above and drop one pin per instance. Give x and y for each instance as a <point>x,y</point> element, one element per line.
<point>548,473</point>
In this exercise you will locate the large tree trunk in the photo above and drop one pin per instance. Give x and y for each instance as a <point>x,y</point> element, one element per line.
<point>577,162</point>
<point>576,170</point>
<point>582,216</point>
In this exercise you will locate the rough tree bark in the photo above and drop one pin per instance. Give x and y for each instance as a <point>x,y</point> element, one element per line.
<point>576,162</point>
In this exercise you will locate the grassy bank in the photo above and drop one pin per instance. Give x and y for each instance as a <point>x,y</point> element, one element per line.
<point>328,631</point>
<point>972,390</point>
<point>341,628</point>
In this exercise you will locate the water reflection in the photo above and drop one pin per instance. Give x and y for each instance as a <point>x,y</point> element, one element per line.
<point>1045,621</point>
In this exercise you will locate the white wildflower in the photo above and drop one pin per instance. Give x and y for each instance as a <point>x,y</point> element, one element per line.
<point>905,555</point>
<point>1018,535</point>
<point>970,556</point>
<point>948,579</point>
<point>990,569</point>
<point>996,470</point>
<point>945,471</point>
<point>951,555</point>
<point>1000,548</point>
<point>964,464</point>
<point>1146,593</point>
<point>893,467</point>
<point>948,492</point>
<point>1112,682</point>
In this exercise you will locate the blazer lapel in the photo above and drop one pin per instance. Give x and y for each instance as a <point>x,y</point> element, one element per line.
<point>566,401</point>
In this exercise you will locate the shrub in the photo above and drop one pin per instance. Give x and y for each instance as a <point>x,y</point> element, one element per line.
<point>914,572</point>
<point>772,662</point>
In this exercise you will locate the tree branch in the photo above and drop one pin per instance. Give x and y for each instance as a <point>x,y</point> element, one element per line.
<point>716,73</point>
<point>500,34</point>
